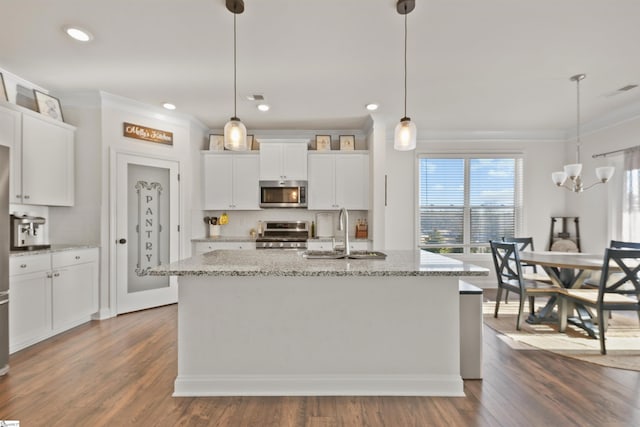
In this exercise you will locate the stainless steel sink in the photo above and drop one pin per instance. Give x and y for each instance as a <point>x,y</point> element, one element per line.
<point>341,255</point>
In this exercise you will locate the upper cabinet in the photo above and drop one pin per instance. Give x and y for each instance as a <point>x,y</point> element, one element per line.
<point>42,157</point>
<point>230,181</point>
<point>338,181</point>
<point>11,136</point>
<point>283,160</point>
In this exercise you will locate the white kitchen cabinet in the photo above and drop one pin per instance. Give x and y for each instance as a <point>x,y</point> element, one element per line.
<point>230,181</point>
<point>29,301</point>
<point>202,247</point>
<point>283,160</point>
<point>47,162</point>
<point>74,288</point>
<point>338,180</point>
<point>320,245</point>
<point>42,157</point>
<point>50,293</point>
<point>11,136</point>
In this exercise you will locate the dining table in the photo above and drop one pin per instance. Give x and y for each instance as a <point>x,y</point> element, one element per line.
<point>567,270</point>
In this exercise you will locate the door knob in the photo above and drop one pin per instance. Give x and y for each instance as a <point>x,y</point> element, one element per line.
<point>122,241</point>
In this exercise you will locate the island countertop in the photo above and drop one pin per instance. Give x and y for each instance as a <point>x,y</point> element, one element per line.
<point>292,263</point>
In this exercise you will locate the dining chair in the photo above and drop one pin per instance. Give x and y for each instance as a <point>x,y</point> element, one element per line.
<point>508,268</point>
<point>593,280</point>
<point>526,244</point>
<point>618,289</point>
<point>617,244</point>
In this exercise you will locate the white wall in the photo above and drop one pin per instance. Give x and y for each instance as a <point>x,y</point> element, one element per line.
<point>541,199</point>
<point>593,206</point>
<point>99,117</point>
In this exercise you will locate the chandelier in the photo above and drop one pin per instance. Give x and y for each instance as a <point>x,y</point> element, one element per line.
<point>573,171</point>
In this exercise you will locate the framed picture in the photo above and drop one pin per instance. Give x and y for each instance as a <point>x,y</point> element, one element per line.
<point>255,144</point>
<point>347,142</point>
<point>3,89</point>
<point>48,105</point>
<point>216,142</point>
<point>250,140</point>
<point>323,142</point>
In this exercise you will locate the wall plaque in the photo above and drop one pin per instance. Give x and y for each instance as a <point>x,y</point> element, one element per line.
<point>147,134</point>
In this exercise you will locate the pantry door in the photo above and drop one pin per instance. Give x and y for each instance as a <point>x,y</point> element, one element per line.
<point>147,230</point>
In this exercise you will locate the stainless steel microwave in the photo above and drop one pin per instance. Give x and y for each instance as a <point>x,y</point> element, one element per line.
<point>283,194</point>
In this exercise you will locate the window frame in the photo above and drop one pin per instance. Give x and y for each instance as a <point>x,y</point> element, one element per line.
<point>467,156</point>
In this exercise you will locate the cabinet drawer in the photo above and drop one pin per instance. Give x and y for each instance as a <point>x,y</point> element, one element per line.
<point>74,257</point>
<point>202,247</point>
<point>29,264</point>
<point>319,245</point>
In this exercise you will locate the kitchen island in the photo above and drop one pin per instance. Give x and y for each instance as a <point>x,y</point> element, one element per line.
<point>272,322</point>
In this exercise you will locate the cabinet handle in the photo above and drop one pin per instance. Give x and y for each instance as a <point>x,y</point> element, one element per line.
<point>56,274</point>
<point>77,256</point>
<point>27,197</point>
<point>122,241</point>
<point>18,196</point>
<point>23,265</point>
<point>49,275</point>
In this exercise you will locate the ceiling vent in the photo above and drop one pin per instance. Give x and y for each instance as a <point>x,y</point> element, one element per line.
<point>627,87</point>
<point>620,91</point>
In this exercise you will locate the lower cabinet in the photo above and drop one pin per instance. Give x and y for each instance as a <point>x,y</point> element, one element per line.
<point>202,247</point>
<point>329,245</point>
<point>50,293</point>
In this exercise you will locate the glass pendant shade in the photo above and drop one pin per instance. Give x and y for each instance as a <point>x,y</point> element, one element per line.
<point>573,171</point>
<point>235,135</point>
<point>558,178</point>
<point>605,173</point>
<point>405,135</point>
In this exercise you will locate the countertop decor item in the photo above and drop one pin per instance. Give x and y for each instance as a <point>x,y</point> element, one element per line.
<point>216,142</point>
<point>48,105</point>
<point>573,171</point>
<point>323,142</point>
<point>3,89</point>
<point>405,132</point>
<point>347,142</point>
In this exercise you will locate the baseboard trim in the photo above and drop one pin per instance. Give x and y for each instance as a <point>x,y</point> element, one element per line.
<point>324,385</point>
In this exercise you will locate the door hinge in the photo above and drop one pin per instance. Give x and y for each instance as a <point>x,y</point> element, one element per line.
<point>178,229</point>
<point>178,177</point>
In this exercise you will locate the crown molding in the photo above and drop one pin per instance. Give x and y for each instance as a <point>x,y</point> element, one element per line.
<point>491,135</point>
<point>611,119</point>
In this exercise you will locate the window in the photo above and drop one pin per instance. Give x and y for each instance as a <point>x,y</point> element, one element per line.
<point>465,201</point>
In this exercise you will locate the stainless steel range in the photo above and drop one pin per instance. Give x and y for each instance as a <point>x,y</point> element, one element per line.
<point>284,235</point>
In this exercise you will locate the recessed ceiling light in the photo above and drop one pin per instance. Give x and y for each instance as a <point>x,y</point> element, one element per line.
<point>263,107</point>
<point>169,106</point>
<point>78,34</point>
<point>372,107</point>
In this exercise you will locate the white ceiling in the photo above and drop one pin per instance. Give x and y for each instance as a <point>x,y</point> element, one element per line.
<point>473,65</point>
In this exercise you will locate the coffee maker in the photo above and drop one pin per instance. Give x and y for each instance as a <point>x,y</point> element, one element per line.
<point>27,233</point>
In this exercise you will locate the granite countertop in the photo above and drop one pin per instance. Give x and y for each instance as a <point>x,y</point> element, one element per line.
<point>52,249</point>
<point>292,263</point>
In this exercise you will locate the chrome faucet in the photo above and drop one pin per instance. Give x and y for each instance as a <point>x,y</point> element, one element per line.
<point>343,225</point>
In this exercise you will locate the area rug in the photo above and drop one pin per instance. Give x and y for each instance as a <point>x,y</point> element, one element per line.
<point>623,337</point>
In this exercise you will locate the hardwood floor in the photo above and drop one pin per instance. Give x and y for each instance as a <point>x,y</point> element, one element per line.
<point>120,372</point>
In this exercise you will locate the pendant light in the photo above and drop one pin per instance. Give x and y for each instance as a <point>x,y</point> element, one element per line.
<point>405,133</point>
<point>574,170</point>
<point>235,132</point>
